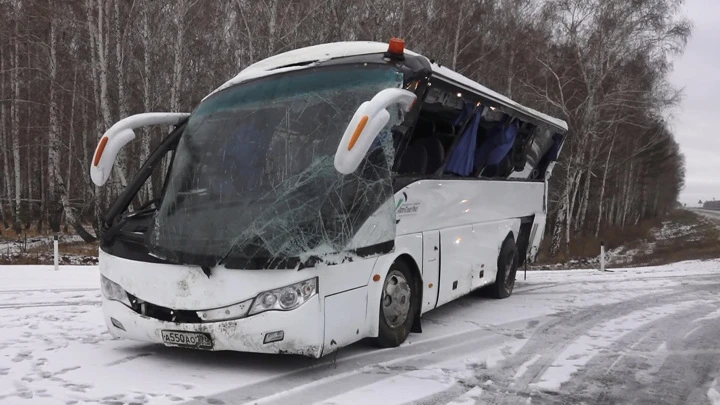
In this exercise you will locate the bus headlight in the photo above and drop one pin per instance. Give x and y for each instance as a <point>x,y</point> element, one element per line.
<point>112,291</point>
<point>285,298</point>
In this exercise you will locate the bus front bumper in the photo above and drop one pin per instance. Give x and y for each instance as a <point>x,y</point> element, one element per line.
<point>302,329</point>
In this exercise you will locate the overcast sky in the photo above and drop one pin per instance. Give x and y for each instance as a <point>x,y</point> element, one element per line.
<point>698,73</point>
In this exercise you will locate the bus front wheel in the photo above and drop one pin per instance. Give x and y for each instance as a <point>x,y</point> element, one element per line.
<point>398,304</point>
<point>507,269</point>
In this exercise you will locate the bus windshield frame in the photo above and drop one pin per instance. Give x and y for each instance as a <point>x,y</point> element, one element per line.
<point>253,185</point>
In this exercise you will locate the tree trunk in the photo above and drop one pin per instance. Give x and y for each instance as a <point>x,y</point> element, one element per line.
<point>54,172</point>
<point>102,50</point>
<point>147,96</point>
<point>85,161</point>
<point>31,162</point>
<point>176,85</point>
<point>456,42</point>
<point>121,160</point>
<point>572,197</point>
<point>71,134</point>
<point>4,142</point>
<point>560,222</point>
<point>15,131</point>
<point>602,188</point>
<point>627,195</point>
<point>510,71</point>
<point>272,27</point>
<point>53,138</point>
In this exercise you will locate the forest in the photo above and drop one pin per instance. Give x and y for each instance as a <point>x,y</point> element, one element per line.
<point>69,69</point>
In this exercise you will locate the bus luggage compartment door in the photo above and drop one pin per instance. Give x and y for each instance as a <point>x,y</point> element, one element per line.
<point>430,269</point>
<point>345,315</point>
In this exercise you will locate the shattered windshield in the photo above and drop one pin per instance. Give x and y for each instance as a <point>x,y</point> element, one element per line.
<point>253,184</point>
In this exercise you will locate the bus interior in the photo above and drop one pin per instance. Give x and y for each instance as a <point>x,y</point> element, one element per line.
<point>460,135</point>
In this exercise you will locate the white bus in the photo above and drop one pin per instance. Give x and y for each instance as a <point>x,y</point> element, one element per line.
<point>322,196</point>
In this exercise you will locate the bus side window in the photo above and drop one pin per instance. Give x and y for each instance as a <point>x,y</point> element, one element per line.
<point>433,135</point>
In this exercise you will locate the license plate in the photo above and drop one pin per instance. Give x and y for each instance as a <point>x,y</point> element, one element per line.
<point>186,339</point>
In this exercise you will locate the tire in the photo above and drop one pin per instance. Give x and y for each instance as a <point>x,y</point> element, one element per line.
<point>398,306</point>
<point>507,269</point>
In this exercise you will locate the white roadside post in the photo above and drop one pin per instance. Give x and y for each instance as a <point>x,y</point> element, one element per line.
<point>602,256</point>
<point>56,253</point>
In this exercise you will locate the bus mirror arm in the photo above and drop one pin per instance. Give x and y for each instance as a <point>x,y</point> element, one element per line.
<point>119,135</point>
<point>366,124</point>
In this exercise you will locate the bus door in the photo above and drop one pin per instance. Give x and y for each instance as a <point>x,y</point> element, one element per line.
<point>430,269</point>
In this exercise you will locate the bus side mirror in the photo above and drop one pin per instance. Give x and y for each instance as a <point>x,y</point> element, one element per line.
<point>366,124</point>
<point>119,135</point>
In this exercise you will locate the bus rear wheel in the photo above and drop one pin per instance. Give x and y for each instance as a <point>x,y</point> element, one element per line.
<point>398,304</point>
<point>507,269</point>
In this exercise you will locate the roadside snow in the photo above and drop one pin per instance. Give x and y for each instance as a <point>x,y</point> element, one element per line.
<point>9,247</point>
<point>524,367</point>
<point>468,398</point>
<point>713,394</point>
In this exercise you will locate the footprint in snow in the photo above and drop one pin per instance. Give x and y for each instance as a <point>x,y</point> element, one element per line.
<point>24,355</point>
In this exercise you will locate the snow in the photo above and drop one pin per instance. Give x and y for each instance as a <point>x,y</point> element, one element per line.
<point>468,398</point>
<point>709,317</point>
<point>54,348</point>
<point>713,394</point>
<point>406,387</point>
<point>524,367</point>
<point>10,247</point>
<point>601,337</point>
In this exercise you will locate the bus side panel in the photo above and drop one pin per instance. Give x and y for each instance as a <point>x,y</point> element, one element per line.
<point>462,255</point>
<point>469,256</point>
<point>345,314</point>
<point>492,236</point>
<point>430,270</point>
<point>536,236</point>
<point>427,205</point>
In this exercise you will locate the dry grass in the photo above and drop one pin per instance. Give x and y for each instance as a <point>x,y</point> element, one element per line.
<point>31,232</point>
<point>700,241</point>
<point>613,237</point>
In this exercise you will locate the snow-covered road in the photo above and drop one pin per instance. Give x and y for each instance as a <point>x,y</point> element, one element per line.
<point>645,335</point>
<point>712,214</point>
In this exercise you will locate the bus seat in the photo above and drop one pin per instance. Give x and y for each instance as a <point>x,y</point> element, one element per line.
<point>414,160</point>
<point>506,141</point>
<point>435,153</point>
<point>462,159</point>
<point>492,137</point>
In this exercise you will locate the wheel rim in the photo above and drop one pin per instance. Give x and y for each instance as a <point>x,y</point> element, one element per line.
<point>396,299</point>
<point>510,272</point>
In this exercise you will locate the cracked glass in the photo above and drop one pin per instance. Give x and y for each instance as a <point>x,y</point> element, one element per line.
<point>253,184</point>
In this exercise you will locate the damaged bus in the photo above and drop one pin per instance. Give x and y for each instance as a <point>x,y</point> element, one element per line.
<point>322,196</point>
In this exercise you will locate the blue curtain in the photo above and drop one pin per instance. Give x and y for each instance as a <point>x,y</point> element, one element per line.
<point>462,159</point>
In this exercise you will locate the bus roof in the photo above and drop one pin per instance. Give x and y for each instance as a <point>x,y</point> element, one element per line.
<point>306,57</point>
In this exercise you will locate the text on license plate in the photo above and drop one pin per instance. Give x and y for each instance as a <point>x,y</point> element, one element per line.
<point>187,339</point>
